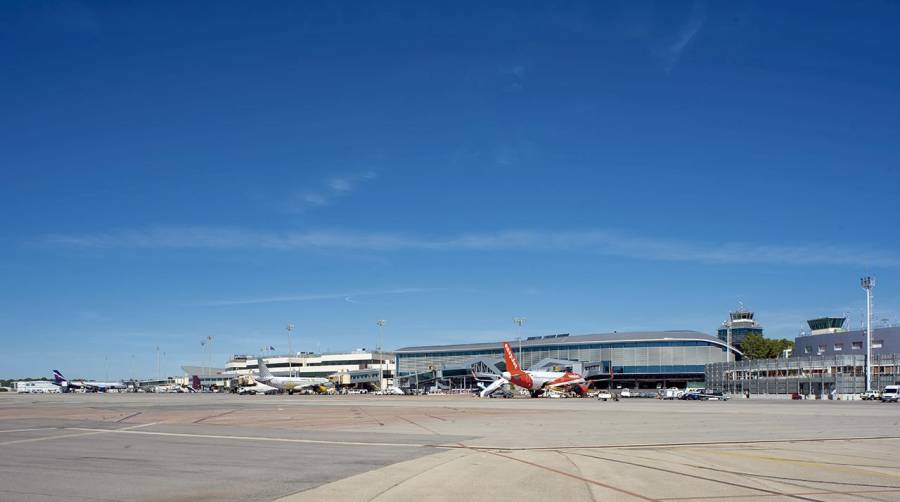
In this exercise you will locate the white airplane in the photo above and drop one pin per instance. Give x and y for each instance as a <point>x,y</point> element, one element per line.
<point>253,387</point>
<point>88,385</point>
<point>536,382</point>
<point>392,391</point>
<point>290,384</point>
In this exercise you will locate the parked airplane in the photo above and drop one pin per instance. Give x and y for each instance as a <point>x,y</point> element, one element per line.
<point>536,382</point>
<point>256,388</point>
<point>66,385</point>
<point>290,384</point>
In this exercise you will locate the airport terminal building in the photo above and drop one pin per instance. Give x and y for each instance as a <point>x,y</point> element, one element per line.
<point>646,359</point>
<point>356,368</point>
<point>827,361</point>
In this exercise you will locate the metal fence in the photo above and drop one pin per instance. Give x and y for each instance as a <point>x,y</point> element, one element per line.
<point>812,375</point>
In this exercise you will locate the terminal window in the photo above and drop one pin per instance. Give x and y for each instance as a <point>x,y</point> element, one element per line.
<point>857,345</point>
<point>806,349</point>
<point>876,344</point>
<point>838,347</point>
<point>821,349</point>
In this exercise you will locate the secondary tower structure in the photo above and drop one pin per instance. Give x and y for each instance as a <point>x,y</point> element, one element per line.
<point>740,323</point>
<point>868,283</point>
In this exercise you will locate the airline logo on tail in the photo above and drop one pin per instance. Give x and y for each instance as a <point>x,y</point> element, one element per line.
<point>58,377</point>
<point>516,375</point>
<point>512,365</point>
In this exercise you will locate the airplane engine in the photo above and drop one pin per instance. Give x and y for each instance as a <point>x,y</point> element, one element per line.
<point>581,389</point>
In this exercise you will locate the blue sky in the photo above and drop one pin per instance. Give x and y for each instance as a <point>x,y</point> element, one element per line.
<point>173,171</point>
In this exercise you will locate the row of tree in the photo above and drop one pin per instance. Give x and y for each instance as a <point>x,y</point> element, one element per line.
<point>759,347</point>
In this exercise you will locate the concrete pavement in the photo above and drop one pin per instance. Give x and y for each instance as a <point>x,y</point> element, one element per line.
<point>179,447</point>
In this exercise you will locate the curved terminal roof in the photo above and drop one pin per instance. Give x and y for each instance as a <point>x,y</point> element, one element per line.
<point>616,337</point>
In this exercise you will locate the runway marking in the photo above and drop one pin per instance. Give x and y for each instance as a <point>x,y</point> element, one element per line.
<point>590,491</point>
<point>793,483</point>
<point>695,476</point>
<point>398,483</point>
<point>821,465</point>
<point>574,476</point>
<point>26,430</point>
<point>53,496</point>
<point>249,438</point>
<point>64,436</point>
<point>666,445</point>
<point>756,495</point>
<point>803,483</point>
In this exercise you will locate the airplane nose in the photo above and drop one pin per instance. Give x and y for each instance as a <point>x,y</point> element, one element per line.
<point>506,375</point>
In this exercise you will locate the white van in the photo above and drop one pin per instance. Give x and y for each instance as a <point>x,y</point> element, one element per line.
<point>891,394</point>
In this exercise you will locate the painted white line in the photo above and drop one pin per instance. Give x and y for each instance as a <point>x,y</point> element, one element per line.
<point>26,430</point>
<point>46,438</point>
<point>132,427</point>
<point>249,438</point>
<point>63,436</point>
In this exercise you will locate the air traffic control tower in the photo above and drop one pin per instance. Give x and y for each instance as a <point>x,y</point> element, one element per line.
<point>740,323</point>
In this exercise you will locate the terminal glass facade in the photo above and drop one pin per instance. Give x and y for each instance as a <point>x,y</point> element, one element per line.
<point>651,357</point>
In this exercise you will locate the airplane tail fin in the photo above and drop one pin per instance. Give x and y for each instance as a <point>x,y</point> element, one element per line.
<point>58,377</point>
<point>264,373</point>
<point>195,382</point>
<point>512,364</point>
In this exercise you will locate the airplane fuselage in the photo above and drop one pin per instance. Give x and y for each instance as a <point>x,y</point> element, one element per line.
<point>541,380</point>
<point>292,383</point>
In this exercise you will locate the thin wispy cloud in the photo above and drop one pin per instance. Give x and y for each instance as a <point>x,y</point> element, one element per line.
<point>348,297</point>
<point>671,53</point>
<point>332,189</point>
<point>603,242</point>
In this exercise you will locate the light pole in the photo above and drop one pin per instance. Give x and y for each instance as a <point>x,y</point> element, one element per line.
<point>202,358</point>
<point>209,340</point>
<point>868,283</point>
<point>520,321</point>
<point>290,328</point>
<point>381,323</point>
<point>157,364</point>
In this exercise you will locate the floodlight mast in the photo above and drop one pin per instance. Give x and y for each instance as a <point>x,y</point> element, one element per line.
<point>519,321</point>
<point>290,329</point>
<point>381,323</point>
<point>868,283</point>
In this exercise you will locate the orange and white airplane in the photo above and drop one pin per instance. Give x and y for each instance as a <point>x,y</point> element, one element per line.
<point>536,382</point>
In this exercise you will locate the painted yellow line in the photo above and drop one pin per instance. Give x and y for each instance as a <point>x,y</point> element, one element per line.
<point>820,465</point>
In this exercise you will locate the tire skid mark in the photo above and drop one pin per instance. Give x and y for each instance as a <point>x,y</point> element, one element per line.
<point>414,476</point>
<point>200,420</point>
<point>695,476</point>
<point>419,425</point>
<point>587,485</point>
<point>119,421</point>
<point>782,478</point>
<point>859,493</point>
<point>573,476</point>
<point>366,415</point>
